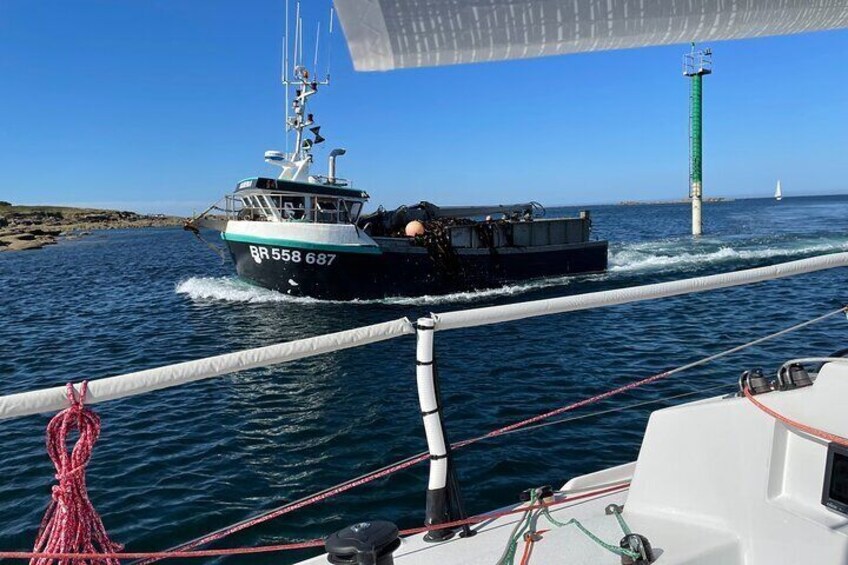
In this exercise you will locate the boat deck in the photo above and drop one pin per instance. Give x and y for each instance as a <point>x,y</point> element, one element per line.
<point>677,541</point>
<point>717,481</point>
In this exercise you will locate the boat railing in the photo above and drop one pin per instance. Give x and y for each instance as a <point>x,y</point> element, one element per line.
<point>441,478</point>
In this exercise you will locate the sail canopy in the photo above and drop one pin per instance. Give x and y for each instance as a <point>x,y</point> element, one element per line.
<point>391,34</point>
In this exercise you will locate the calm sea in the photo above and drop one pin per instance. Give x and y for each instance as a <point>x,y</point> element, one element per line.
<point>176,464</point>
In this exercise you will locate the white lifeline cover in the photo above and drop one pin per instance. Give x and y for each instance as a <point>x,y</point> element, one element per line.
<point>111,388</point>
<point>391,34</point>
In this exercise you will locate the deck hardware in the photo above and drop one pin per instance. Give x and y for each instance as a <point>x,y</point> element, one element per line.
<point>638,544</point>
<point>542,493</point>
<point>793,376</point>
<point>532,537</point>
<point>365,543</point>
<point>613,509</point>
<point>755,381</point>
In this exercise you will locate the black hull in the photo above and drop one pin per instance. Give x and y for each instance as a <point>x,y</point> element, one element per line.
<point>406,271</point>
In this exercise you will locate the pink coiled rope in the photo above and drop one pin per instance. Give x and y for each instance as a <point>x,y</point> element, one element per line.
<point>71,524</point>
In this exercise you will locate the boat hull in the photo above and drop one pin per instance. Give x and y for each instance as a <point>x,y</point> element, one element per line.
<point>401,269</point>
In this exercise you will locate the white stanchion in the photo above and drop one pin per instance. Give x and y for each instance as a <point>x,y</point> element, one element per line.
<point>510,312</point>
<point>444,502</point>
<point>429,403</point>
<point>131,384</point>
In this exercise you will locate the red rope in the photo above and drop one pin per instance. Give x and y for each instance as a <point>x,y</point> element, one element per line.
<point>183,550</point>
<point>99,557</point>
<point>71,525</point>
<point>528,550</point>
<point>220,534</point>
<point>827,436</point>
<point>530,539</point>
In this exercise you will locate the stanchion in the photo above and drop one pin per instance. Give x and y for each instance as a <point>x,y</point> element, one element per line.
<point>444,502</point>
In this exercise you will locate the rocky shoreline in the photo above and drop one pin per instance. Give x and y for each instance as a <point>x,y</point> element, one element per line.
<point>32,227</point>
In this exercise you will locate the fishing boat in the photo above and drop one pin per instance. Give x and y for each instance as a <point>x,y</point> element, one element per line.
<point>778,194</point>
<point>306,235</point>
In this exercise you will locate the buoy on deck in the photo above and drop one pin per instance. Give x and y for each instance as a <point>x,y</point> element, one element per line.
<point>414,228</point>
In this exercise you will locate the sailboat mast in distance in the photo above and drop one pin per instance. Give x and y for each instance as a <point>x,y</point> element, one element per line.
<point>778,194</point>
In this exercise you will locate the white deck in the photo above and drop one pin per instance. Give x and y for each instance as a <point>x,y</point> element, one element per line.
<point>716,482</point>
<point>491,538</point>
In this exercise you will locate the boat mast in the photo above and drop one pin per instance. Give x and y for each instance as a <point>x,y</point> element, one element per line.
<point>295,163</point>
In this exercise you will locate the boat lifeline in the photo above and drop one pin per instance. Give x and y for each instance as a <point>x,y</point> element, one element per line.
<point>304,234</point>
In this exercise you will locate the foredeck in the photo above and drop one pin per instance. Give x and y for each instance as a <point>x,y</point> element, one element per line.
<point>677,541</point>
<point>491,538</point>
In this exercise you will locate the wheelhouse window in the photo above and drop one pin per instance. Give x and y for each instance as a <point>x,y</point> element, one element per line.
<point>292,207</point>
<point>327,211</point>
<point>249,210</point>
<point>354,208</point>
<point>296,207</point>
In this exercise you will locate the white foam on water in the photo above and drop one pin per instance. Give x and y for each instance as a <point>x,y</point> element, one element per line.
<point>232,289</point>
<point>663,256</point>
<point>473,295</point>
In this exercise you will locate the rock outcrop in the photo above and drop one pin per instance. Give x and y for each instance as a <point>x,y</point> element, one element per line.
<point>33,227</point>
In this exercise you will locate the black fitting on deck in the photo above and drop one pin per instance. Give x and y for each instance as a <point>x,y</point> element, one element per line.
<point>365,543</point>
<point>754,381</point>
<point>793,376</point>
<point>438,512</point>
<point>637,544</point>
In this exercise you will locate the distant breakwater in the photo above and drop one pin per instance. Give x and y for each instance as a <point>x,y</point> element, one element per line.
<point>713,200</point>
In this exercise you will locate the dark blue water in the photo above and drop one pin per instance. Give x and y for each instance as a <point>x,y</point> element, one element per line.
<point>178,463</point>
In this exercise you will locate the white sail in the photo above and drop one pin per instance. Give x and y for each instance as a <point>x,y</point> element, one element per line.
<point>385,35</point>
<point>778,194</point>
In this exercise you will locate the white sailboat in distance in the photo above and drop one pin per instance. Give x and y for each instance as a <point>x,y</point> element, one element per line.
<point>778,194</point>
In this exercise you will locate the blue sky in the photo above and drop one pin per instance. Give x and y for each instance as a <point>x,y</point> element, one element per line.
<point>163,105</point>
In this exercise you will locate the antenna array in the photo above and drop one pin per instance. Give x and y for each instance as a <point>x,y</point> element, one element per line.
<point>294,73</point>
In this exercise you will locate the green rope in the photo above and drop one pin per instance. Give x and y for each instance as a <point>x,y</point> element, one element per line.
<point>526,523</point>
<point>624,527</point>
<point>609,547</point>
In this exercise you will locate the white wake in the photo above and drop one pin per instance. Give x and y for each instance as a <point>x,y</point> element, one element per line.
<point>678,256</point>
